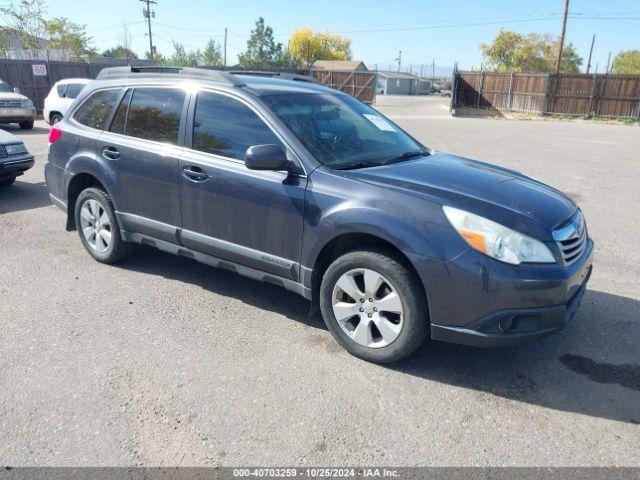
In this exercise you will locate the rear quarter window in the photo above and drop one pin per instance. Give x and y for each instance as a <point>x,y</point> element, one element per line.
<point>73,89</point>
<point>96,109</point>
<point>61,89</point>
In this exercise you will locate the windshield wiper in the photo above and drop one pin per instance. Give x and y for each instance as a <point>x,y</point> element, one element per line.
<point>353,165</point>
<point>406,156</point>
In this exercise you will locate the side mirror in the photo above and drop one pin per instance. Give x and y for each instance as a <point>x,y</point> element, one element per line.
<point>16,90</point>
<point>265,157</point>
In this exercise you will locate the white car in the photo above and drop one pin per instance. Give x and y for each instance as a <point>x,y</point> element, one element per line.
<point>60,98</point>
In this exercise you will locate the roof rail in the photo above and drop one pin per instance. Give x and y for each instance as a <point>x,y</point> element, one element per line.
<point>284,75</point>
<point>217,76</point>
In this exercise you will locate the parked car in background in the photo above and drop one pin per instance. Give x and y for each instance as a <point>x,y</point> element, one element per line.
<point>15,107</point>
<point>14,158</point>
<point>305,187</point>
<point>60,98</point>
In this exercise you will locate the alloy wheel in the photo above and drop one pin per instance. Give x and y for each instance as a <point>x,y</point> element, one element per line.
<point>96,226</point>
<point>368,308</point>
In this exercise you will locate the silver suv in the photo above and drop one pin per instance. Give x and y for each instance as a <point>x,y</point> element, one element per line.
<point>15,107</point>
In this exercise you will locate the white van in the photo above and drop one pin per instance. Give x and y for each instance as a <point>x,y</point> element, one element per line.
<point>60,98</point>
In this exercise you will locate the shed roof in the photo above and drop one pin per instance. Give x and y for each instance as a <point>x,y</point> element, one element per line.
<point>338,64</point>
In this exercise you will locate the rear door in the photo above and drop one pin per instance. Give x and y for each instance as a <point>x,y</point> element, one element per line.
<point>250,217</point>
<point>142,144</point>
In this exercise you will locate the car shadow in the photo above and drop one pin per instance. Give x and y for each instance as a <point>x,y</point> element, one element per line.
<point>23,196</point>
<point>592,367</point>
<point>15,129</point>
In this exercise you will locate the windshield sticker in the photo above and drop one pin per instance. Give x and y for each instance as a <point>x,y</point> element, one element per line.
<point>380,122</point>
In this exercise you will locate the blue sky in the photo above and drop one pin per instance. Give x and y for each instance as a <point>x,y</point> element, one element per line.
<point>446,31</point>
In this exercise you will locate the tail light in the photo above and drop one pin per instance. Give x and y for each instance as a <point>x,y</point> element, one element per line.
<point>54,134</point>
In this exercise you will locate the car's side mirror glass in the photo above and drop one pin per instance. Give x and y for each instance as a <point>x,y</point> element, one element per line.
<point>266,157</point>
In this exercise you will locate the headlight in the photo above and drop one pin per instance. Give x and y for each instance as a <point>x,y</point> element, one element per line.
<point>15,148</point>
<point>27,103</point>
<point>497,241</point>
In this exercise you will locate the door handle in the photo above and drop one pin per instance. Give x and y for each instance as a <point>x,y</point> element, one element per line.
<point>111,153</point>
<point>195,174</point>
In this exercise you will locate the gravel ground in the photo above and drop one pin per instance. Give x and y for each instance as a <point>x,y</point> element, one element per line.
<point>162,361</point>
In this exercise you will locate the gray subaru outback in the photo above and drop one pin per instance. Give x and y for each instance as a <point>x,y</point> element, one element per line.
<point>305,187</point>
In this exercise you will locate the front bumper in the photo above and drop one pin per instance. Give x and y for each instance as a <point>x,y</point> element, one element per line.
<point>477,301</point>
<point>13,167</point>
<point>17,115</point>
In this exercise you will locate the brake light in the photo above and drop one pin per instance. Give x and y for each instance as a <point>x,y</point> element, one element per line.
<point>54,134</point>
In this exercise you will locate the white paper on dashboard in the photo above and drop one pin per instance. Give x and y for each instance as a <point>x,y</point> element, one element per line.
<point>379,122</point>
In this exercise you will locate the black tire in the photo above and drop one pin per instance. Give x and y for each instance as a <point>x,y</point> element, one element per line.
<point>415,329</point>
<point>7,182</point>
<point>118,248</point>
<point>55,118</point>
<point>26,125</point>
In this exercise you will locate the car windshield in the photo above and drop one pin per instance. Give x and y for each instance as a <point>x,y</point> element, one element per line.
<point>342,132</point>
<point>5,88</point>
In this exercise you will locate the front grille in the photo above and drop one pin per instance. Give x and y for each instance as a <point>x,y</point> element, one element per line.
<point>10,104</point>
<point>572,238</point>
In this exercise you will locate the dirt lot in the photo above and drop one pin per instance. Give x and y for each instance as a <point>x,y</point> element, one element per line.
<point>161,361</point>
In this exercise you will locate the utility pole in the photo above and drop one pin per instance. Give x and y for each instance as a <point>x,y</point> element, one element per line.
<point>433,69</point>
<point>399,60</point>
<point>422,70</point>
<point>148,13</point>
<point>593,40</point>
<point>225,46</point>
<point>564,29</point>
<point>608,62</point>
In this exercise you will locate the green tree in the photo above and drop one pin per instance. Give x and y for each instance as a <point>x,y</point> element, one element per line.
<point>307,46</point>
<point>119,51</point>
<point>26,19</point>
<point>69,38</point>
<point>627,62</point>
<point>514,52</point>
<point>183,58</point>
<point>5,42</point>
<point>212,56</point>
<point>262,50</point>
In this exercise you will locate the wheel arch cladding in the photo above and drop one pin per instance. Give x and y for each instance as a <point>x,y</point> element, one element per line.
<point>77,184</point>
<point>351,241</point>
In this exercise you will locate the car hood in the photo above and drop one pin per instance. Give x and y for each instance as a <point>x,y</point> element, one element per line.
<point>12,96</point>
<point>499,194</point>
<point>7,138</point>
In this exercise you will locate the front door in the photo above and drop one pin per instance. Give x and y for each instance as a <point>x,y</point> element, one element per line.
<point>254,218</point>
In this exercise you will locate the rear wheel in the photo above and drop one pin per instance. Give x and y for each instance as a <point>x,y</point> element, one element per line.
<point>26,125</point>
<point>374,306</point>
<point>7,182</point>
<point>98,227</point>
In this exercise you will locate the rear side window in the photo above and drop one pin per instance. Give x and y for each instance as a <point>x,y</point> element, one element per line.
<point>224,126</point>
<point>119,119</point>
<point>61,89</point>
<point>96,109</point>
<point>154,114</point>
<point>73,89</point>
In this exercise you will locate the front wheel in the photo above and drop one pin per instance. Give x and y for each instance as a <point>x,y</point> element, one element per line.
<point>374,306</point>
<point>26,125</point>
<point>98,227</point>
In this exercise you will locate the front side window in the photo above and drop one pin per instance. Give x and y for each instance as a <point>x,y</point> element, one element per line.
<point>225,126</point>
<point>154,114</point>
<point>342,132</point>
<point>96,109</point>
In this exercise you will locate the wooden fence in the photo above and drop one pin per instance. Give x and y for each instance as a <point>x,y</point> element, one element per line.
<point>361,85</point>
<point>20,73</point>
<point>569,94</point>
